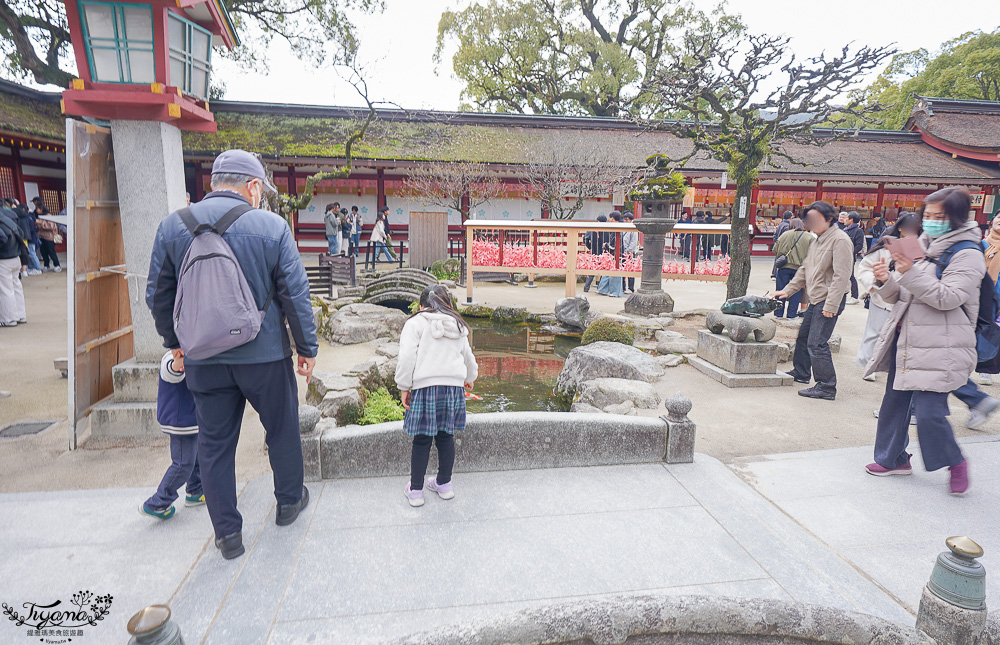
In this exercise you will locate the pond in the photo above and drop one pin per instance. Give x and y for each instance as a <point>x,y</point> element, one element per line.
<point>518,366</point>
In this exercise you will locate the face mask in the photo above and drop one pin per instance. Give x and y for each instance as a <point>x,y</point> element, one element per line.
<point>936,228</point>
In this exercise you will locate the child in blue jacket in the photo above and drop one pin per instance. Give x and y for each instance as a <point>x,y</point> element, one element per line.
<point>175,413</point>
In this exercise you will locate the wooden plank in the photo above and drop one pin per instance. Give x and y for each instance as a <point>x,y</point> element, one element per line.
<point>428,238</point>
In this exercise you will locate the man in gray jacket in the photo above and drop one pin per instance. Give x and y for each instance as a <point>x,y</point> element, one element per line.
<point>260,371</point>
<point>331,222</point>
<point>826,275</point>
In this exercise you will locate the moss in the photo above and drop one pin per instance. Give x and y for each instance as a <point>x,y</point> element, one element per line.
<point>27,116</point>
<point>476,311</point>
<point>608,329</point>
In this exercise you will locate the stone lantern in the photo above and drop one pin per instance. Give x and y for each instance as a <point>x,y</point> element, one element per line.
<point>145,67</point>
<point>660,212</point>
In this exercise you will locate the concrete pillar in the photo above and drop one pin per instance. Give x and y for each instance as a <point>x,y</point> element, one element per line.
<point>149,164</point>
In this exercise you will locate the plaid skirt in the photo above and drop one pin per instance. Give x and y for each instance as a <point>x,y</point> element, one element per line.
<point>435,408</point>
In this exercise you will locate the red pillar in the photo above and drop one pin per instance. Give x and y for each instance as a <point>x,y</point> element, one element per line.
<point>880,198</point>
<point>819,191</point>
<point>18,175</point>
<point>380,189</point>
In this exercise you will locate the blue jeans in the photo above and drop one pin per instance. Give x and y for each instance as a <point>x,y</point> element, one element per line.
<point>970,394</point>
<point>782,278</point>
<point>334,244</point>
<point>380,247</point>
<point>183,470</point>
<point>611,286</point>
<point>937,440</point>
<point>355,243</point>
<point>33,263</point>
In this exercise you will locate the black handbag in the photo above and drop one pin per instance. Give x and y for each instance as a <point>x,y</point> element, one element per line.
<point>782,259</point>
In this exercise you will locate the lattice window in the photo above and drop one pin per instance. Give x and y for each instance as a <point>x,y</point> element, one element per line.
<point>51,200</point>
<point>7,188</point>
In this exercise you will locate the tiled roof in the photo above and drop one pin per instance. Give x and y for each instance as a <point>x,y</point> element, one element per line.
<point>29,112</point>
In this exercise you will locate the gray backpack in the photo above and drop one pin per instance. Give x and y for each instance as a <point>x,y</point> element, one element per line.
<point>214,310</point>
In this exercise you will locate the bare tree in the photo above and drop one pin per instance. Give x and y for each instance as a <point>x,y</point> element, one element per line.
<point>461,186</point>
<point>745,100</point>
<point>565,176</point>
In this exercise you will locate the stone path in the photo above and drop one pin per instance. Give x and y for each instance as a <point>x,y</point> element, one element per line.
<point>360,566</point>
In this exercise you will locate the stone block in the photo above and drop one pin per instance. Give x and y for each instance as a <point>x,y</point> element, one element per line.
<point>135,381</point>
<point>739,358</point>
<point>312,470</point>
<point>121,420</point>
<point>948,623</point>
<point>309,416</point>
<point>649,304</point>
<point>741,328</point>
<point>323,382</point>
<point>604,392</point>
<point>729,379</point>
<point>606,360</point>
<point>679,345</point>
<point>335,400</point>
<point>680,430</point>
<point>501,441</point>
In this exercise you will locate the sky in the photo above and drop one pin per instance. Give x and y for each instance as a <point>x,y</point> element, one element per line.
<point>398,45</point>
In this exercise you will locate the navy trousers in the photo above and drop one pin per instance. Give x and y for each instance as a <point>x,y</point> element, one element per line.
<point>421,454</point>
<point>183,470</point>
<point>220,394</point>
<point>937,441</point>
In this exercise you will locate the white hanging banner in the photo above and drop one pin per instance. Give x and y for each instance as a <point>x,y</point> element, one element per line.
<point>725,180</point>
<point>743,207</point>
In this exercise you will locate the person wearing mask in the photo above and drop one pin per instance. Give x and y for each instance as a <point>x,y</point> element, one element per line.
<point>612,285</point>
<point>929,349</point>
<point>794,245</point>
<point>331,221</point>
<point>879,311</point>
<point>857,235</point>
<point>826,275</point>
<point>630,245</point>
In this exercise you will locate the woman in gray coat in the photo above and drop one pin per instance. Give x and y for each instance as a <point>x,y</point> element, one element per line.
<point>928,346</point>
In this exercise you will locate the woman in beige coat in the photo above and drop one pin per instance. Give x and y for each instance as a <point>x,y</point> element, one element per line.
<point>928,347</point>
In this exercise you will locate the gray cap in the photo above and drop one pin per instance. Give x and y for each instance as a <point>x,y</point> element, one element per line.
<point>241,162</point>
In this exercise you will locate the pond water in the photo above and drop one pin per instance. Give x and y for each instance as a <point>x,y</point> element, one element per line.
<point>518,366</point>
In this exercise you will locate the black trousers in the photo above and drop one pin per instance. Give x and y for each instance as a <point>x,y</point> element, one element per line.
<point>48,252</point>
<point>220,394</point>
<point>812,348</point>
<point>422,453</point>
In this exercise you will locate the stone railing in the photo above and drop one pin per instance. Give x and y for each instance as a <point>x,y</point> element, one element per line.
<point>508,441</point>
<point>660,619</point>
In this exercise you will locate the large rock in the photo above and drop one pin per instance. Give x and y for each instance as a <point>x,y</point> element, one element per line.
<point>572,312</point>
<point>337,400</point>
<point>323,382</point>
<point>603,392</point>
<point>361,322</point>
<point>375,362</point>
<point>674,345</point>
<point>606,360</point>
<point>309,416</point>
<point>389,350</point>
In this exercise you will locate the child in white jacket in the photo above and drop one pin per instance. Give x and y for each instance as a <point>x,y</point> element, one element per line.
<point>435,363</point>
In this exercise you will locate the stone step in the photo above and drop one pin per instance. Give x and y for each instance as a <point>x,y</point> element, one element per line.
<point>135,381</point>
<point>115,419</point>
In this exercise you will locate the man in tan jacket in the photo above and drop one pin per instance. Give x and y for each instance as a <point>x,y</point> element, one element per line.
<point>826,276</point>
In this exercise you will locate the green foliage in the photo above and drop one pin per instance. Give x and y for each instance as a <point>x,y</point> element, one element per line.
<point>967,67</point>
<point>561,56</point>
<point>608,329</point>
<point>380,406</point>
<point>414,306</point>
<point>671,186</point>
<point>445,269</point>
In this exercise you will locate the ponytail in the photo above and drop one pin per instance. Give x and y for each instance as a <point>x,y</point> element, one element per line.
<point>437,298</point>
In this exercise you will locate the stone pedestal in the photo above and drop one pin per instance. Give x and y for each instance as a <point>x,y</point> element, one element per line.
<point>948,623</point>
<point>746,364</point>
<point>149,166</point>
<point>651,299</point>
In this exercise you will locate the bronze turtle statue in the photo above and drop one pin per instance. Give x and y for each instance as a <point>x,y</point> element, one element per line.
<point>750,306</point>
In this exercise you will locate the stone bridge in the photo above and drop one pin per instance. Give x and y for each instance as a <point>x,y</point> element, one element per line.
<point>398,288</point>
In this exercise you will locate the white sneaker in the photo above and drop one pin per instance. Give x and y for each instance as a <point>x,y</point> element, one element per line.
<point>870,378</point>
<point>45,269</point>
<point>984,379</point>
<point>58,269</point>
<point>853,301</point>
<point>34,272</point>
<point>979,414</point>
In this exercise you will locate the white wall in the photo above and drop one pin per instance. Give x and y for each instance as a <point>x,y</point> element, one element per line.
<point>313,214</point>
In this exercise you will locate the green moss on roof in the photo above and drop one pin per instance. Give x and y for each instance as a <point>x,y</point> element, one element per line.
<point>319,137</point>
<point>31,117</point>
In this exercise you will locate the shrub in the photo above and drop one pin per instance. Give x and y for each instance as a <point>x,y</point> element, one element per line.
<point>611,330</point>
<point>380,407</point>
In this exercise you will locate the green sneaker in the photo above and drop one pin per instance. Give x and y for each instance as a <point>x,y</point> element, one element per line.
<point>160,514</point>
<point>194,500</point>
